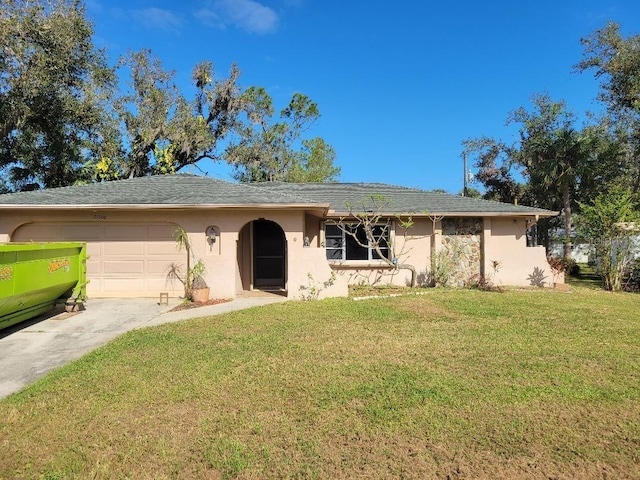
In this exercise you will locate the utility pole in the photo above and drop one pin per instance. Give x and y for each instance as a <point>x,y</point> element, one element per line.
<point>465,191</point>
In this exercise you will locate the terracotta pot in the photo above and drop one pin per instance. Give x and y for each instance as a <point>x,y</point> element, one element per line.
<point>200,295</point>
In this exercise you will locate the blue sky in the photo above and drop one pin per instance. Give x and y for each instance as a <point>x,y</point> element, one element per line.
<point>399,84</point>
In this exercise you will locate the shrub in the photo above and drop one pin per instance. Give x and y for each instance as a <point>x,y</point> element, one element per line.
<point>573,268</point>
<point>631,280</point>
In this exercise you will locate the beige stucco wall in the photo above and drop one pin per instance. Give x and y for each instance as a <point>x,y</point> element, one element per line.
<point>411,246</point>
<point>221,258</point>
<point>505,242</point>
<point>225,273</point>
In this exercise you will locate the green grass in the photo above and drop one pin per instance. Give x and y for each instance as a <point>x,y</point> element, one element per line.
<point>449,384</point>
<point>586,278</point>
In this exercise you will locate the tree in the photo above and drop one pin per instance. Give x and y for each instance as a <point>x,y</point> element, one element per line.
<point>164,131</point>
<point>54,86</point>
<point>266,150</point>
<point>194,275</point>
<point>314,163</point>
<point>553,153</point>
<point>369,228</point>
<point>63,119</point>
<point>606,162</point>
<point>615,61</point>
<point>555,161</point>
<point>471,193</point>
<point>608,222</point>
<point>496,169</point>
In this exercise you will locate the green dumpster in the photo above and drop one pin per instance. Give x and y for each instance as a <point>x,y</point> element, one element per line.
<point>36,276</point>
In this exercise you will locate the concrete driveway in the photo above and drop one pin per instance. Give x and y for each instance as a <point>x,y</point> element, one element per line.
<point>31,349</point>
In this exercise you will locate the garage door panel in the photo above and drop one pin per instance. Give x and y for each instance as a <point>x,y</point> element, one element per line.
<point>160,267</point>
<point>124,259</point>
<point>125,232</point>
<point>94,267</point>
<point>162,284</point>
<point>131,267</point>
<point>164,248</point>
<point>165,231</point>
<point>94,285</point>
<point>122,284</point>
<point>123,248</point>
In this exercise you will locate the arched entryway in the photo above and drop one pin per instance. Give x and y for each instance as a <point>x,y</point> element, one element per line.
<point>262,258</point>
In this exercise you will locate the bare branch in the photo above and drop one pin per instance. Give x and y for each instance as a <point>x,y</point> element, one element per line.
<point>367,217</point>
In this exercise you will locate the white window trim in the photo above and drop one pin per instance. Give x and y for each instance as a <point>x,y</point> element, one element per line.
<point>370,261</point>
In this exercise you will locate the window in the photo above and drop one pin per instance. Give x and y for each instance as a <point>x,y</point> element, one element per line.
<point>532,236</point>
<point>345,242</point>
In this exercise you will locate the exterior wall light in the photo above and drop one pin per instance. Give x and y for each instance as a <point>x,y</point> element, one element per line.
<point>211,235</point>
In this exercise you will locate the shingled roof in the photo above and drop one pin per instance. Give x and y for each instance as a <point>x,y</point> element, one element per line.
<point>394,199</point>
<point>157,190</point>
<point>182,190</point>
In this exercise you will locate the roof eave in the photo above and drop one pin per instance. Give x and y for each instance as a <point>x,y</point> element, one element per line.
<point>537,214</point>
<point>175,206</point>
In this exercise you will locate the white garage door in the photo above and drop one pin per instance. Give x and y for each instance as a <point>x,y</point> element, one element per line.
<point>130,260</point>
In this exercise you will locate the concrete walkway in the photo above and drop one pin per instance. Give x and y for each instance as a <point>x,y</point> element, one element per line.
<point>30,350</point>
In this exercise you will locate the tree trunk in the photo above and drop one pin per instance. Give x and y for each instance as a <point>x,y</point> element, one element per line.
<point>411,268</point>
<point>568,226</point>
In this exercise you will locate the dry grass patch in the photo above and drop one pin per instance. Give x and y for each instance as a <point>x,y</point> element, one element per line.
<point>426,309</point>
<point>452,384</point>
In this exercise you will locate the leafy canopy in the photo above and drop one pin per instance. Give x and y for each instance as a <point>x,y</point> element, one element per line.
<point>54,85</point>
<point>270,150</point>
<point>65,118</point>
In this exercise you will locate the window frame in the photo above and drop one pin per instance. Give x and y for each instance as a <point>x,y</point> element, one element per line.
<point>344,236</point>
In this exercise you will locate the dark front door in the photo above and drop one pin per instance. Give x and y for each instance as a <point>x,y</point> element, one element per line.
<point>268,254</point>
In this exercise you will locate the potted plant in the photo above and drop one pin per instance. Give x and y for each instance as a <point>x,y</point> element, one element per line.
<point>195,286</point>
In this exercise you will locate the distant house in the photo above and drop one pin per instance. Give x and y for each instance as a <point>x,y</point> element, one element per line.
<point>584,252</point>
<point>580,252</point>
<point>270,235</point>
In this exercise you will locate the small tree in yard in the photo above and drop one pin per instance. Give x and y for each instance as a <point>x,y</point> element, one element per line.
<point>367,217</point>
<point>193,278</point>
<point>609,224</point>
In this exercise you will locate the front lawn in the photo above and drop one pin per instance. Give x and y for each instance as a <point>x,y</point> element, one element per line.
<point>449,384</point>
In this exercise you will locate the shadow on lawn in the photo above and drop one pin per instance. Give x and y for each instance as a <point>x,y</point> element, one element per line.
<point>586,278</point>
